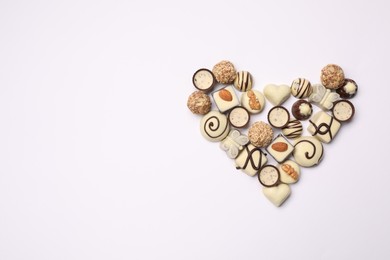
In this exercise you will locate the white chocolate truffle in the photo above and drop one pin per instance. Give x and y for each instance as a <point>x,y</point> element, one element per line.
<point>214,126</point>
<point>308,151</point>
<point>277,94</point>
<point>323,127</point>
<point>225,99</point>
<point>289,172</point>
<point>277,194</point>
<point>253,101</point>
<point>251,160</point>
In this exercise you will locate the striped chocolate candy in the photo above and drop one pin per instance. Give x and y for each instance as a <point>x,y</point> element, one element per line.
<point>243,81</point>
<point>301,88</point>
<point>293,129</point>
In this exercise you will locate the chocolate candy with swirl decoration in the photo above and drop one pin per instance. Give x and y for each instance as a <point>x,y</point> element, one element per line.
<point>214,126</point>
<point>308,151</point>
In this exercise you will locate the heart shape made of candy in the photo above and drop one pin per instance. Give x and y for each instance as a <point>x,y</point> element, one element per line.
<point>282,166</point>
<point>277,194</point>
<point>277,94</point>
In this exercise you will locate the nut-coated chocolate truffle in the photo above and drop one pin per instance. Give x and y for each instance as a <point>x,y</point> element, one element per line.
<point>332,76</point>
<point>199,103</point>
<point>224,72</point>
<point>260,134</point>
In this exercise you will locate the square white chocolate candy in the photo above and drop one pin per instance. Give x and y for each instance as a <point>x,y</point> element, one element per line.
<point>280,149</point>
<point>225,99</point>
<point>323,126</point>
<point>251,160</point>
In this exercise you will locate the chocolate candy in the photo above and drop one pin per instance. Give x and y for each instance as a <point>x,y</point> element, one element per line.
<point>239,117</point>
<point>214,126</point>
<point>280,148</point>
<point>260,134</point>
<point>332,76</point>
<point>293,129</point>
<point>234,143</point>
<point>199,103</point>
<point>308,151</point>
<point>301,88</point>
<point>323,127</point>
<point>277,94</point>
<point>269,176</point>
<point>251,160</point>
<point>224,72</point>
<point>323,97</point>
<point>278,117</point>
<point>204,80</point>
<point>225,99</point>
<point>243,81</point>
<point>302,110</point>
<point>343,110</point>
<point>253,101</point>
<point>277,194</point>
<point>289,172</point>
<point>348,89</point>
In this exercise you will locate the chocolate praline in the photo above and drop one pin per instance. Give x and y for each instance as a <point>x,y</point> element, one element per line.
<point>302,109</point>
<point>348,89</point>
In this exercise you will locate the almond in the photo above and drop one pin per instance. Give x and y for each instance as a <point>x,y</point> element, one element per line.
<point>280,147</point>
<point>225,95</point>
<point>253,101</point>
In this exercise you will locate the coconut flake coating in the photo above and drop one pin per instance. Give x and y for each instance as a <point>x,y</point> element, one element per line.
<point>332,76</point>
<point>260,134</point>
<point>199,103</point>
<point>224,72</point>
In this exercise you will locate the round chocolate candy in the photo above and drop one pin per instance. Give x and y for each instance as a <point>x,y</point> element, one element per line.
<point>214,126</point>
<point>278,117</point>
<point>302,110</point>
<point>253,101</point>
<point>293,129</point>
<point>239,117</point>
<point>243,81</point>
<point>204,80</point>
<point>332,76</point>
<point>269,176</point>
<point>224,72</point>
<point>348,89</point>
<point>343,110</point>
<point>301,88</point>
<point>199,103</point>
<point>308,151</point>
<point>260,134</point>
<point>289,172</point>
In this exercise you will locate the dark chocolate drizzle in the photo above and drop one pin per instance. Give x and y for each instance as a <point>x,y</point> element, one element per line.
<point>210,126</point>
<point>307,153</point>
<point>249,159</point>
<point>314,150</point>
<point>327,128</point>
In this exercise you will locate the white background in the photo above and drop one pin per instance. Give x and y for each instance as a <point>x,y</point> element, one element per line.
<point>101,159</point>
